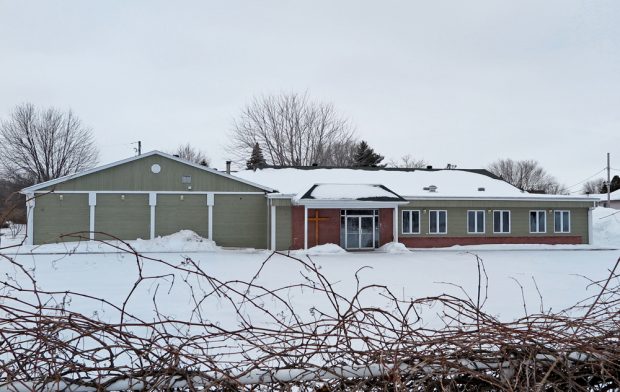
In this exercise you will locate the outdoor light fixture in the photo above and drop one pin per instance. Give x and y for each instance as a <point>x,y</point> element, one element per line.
<point>181,197</point>
<point>122,197</point>
<point>60,197</point>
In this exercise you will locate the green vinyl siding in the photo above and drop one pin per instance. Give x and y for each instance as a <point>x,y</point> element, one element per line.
<point>519,220</point>
<point>126,219</point>
<point>284,228</point>
<point>281,202</point>
<point>54,217</point>
<point>137,176</point>
<point>240,221</point>
<point>173,214</point>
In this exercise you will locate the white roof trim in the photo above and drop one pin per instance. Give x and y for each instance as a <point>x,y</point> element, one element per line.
<point>506,198</point>
<point>348,203</point>
<point>33,188</point>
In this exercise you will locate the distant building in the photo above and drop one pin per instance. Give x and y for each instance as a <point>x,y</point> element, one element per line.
<point>156,194</point>
<point>601,199</point>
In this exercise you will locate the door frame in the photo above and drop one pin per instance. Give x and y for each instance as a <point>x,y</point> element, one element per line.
<point>374,216</point>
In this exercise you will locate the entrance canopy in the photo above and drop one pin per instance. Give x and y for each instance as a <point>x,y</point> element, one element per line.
<point>359,229</point>
<point>349,196</point>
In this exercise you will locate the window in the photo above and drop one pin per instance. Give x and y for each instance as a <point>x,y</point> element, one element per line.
<point>475,221</point>
<point>501,221</point>
<point>562,221</point>
<point>186,179</point>
<point>411,222</point>
<point>437,221</point>
<point>538,221</point>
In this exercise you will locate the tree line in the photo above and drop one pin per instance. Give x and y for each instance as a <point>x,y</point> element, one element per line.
<point>286,129</point>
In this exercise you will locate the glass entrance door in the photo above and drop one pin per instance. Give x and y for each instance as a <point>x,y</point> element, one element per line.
<point>359,229</point>
<point>367,231</point>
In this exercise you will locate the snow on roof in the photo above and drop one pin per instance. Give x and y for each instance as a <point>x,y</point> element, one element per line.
<point>615,195</point>
<point>350,192</point>
<point>406,183</point>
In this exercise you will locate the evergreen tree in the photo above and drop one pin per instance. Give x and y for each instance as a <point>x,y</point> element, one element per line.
<point>615,185</point>
<point>364,155</point>
<point>257,160</point>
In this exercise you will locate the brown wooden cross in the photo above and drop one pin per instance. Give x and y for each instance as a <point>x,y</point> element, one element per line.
<point>316,219</point>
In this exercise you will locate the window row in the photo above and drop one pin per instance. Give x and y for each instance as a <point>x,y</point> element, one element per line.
<point>438,221</point>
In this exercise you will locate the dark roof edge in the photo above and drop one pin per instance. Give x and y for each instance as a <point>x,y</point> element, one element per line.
<point>483,172</point>
<point>397,197</point>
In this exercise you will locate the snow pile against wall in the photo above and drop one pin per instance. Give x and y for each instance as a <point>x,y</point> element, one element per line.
<point>606,227</point>
<point>393,247</point>
<point>182,241</point>
<point>325,249</point>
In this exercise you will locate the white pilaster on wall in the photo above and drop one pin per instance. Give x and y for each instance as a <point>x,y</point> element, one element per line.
<point>30,203</point>
<point>152,203</point>
<point>92,202</point>
<point>395,228</point>
<point>210,204</point>
<point>590,230</point>
<point>305,227</point>
<point>273,228</point>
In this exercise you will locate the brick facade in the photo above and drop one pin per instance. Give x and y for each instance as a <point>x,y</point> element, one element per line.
<point>329,230</point>
<point>439,241</point>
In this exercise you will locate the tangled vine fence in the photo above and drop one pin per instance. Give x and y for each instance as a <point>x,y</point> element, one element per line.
<point>350,346</point>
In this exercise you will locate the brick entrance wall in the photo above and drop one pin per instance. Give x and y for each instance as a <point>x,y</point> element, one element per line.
<point>329,230</point>
<point>386,230</point>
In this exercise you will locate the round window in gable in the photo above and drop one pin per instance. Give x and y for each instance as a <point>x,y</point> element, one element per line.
<point>155,168</point>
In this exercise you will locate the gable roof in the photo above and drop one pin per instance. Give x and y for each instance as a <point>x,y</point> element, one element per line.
<point>33,188</point>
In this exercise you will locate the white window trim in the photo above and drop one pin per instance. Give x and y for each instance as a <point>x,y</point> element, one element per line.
<point>562,221</point>
<point>410,222</point>
<point>484,218</point>
<point>529,223</point>
<point>501,222</point>
<point>429,222</point>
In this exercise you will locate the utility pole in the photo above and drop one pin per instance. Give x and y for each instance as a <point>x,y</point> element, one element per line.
<point>139,148</point>
<point>140,153</point>
<point>608,183</point>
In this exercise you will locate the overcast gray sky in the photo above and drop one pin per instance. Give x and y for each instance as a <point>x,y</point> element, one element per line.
<point>462,82</point>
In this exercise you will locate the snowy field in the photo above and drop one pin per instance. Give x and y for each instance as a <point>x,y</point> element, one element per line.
<point>520,278</point>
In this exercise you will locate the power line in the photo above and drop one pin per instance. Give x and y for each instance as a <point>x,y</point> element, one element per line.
<point>593,175</point>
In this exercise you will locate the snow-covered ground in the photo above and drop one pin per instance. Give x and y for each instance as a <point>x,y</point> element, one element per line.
<point>541,277</point>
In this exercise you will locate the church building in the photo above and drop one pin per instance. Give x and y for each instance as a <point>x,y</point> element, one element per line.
<point>156,194</point>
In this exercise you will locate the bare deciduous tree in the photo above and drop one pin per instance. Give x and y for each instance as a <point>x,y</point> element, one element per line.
<point>293,130</point>
<point>526,175</point>
<point>41,145</point>
<point>594,186</point>
<point>189,153</point>
<point>408,162</point>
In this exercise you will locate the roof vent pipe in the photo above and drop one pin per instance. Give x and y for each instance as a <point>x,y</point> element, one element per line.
<point>228,167</point>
